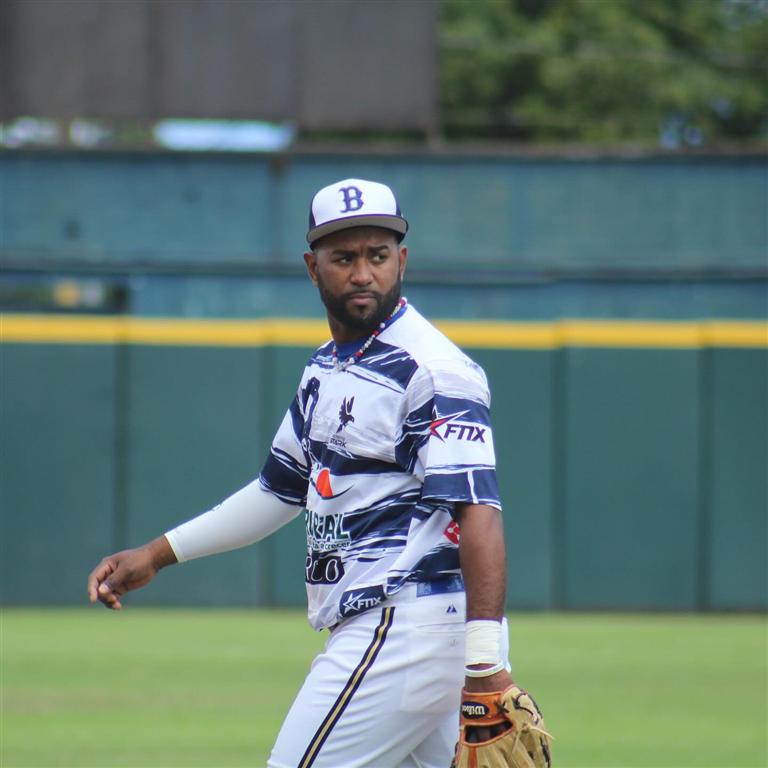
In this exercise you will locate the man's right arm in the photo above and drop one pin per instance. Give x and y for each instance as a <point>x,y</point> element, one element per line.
<point>247,516</point>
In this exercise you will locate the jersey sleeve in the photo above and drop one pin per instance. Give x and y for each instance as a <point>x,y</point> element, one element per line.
<point>286,470</point>
<point>447,438</point>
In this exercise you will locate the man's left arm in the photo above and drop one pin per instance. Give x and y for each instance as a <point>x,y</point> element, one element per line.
<point>483,565</point>
<point>500,722</point>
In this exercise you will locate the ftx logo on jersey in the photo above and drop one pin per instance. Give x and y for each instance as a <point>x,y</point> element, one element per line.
<point>447,427</point>
<point>358,600</point>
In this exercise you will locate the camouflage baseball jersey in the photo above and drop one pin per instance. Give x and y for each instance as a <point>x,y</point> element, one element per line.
<point>378,454</point>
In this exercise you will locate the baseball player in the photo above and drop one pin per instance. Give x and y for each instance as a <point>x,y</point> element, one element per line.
<point>387,450</point>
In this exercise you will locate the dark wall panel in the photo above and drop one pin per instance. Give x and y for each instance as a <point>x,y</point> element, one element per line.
<point>738,480</point>
<point>630,478</point>
<point>76,58</point>
<point>195,436</point>
<point>311,63</point>
<point>364,59</point>
<point>227,58</point>
<point>57,470</point>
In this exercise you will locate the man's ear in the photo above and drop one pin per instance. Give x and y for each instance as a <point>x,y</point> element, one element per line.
<point>310,259</point>
<point>403,255</point>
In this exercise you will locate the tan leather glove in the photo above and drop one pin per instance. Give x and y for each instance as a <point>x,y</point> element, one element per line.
<point>523,742</point>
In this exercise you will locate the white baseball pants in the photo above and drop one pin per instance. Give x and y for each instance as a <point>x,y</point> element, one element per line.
<point>385,691</point>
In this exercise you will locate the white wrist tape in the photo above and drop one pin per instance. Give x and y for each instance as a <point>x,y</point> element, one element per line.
<point>483,645</point>
<point>486,671</point>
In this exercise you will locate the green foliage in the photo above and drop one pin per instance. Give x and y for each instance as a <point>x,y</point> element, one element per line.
<point>679,71</point>
<point>163,688</point>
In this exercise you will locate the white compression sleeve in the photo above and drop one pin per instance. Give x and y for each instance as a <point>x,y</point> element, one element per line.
<point>245,517</point>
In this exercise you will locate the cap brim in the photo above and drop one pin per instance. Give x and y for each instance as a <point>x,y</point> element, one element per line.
<point>395,223</point>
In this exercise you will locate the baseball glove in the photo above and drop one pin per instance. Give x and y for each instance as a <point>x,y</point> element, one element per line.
<point>519,739</point>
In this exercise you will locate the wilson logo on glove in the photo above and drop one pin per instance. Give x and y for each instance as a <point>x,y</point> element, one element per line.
<point>472,709</point>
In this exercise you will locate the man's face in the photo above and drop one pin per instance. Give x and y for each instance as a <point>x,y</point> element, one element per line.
<point>358,273</point>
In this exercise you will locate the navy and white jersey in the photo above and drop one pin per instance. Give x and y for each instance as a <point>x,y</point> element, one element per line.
<point>378,454</point>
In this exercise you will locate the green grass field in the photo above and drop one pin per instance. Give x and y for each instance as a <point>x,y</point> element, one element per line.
<point>160,688</point>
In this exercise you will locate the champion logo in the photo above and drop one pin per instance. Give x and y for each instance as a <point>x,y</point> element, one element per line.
<point>447,426</point>
<point>321,482</point>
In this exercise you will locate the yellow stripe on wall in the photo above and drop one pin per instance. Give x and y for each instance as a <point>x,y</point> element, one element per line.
<point>57,329</point>
<point>63,329</point>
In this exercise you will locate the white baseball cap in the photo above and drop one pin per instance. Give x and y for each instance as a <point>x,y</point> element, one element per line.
<point>354,203</point>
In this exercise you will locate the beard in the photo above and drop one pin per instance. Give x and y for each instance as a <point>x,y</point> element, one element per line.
<point>356,322</point>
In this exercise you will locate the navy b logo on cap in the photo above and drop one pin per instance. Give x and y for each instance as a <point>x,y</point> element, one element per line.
<point>354,203</point>
<point>353,199</point>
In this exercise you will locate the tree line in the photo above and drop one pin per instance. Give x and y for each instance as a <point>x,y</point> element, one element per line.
<point>674,72</point>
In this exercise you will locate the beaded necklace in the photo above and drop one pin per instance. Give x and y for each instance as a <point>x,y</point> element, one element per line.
<point>343,365</point>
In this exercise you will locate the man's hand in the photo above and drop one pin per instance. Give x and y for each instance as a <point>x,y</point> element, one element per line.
<point>130,569</point>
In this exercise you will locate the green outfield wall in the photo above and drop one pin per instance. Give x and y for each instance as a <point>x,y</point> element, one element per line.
<point>156,321</point>
<point>632,478</point>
